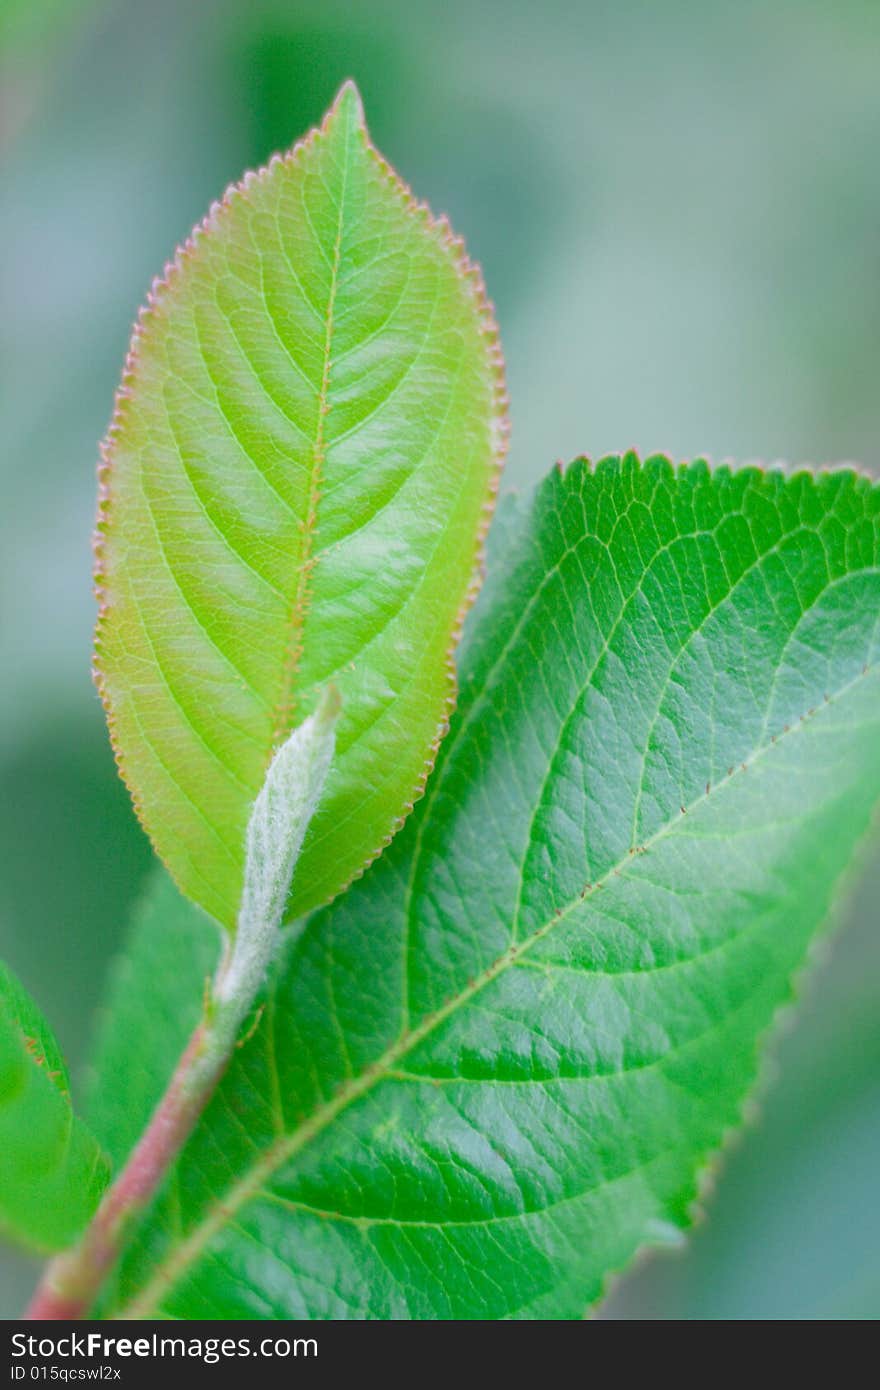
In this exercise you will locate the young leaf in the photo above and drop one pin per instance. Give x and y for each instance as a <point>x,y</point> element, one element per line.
<point>502,1062</point>
<point>52,1172</point>
<point>295,487</point>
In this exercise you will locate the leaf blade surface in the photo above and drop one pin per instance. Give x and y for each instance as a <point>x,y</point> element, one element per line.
<point>295,488</point>
<point>503,1061</point>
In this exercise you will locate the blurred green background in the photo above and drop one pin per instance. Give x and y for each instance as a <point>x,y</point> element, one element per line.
<point>677,207</point>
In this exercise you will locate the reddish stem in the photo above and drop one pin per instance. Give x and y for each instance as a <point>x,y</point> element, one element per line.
<point>73,1279</point>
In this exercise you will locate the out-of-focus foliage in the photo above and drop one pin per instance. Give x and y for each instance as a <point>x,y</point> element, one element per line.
<point>678,213</point>
<point>52,1172</point>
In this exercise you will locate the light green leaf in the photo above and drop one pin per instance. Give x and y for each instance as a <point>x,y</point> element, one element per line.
<point>296,484</point>
<point>503,1061</point>
<point>52,1172</point>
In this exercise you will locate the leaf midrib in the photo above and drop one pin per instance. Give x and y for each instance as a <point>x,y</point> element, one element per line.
<point>307,557</point>
<point>283,1149</point>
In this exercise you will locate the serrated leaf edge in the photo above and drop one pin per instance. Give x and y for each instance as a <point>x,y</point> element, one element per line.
<point>701,1186</point>
<point>146,1301</point>
<point>470,273</point>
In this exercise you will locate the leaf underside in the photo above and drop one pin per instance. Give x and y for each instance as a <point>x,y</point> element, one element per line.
<point>501,1063</point>
<point>294,491</point>
<point>52,1172</point>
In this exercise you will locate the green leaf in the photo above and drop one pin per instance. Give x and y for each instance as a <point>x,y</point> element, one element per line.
<point>52,1172</point>
<point>295,488</point>
<point>502,1062</point>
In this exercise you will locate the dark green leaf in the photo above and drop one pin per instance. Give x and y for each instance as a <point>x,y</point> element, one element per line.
<point>52,1172</point>
<point>503,1061</point>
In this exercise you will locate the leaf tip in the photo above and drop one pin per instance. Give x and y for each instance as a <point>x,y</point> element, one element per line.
<point>348,104</point>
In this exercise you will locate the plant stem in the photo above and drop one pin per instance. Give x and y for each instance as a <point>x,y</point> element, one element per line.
<point>72,1280</point>
<point>279,817</point>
